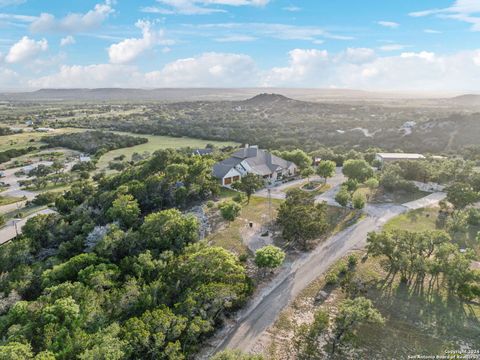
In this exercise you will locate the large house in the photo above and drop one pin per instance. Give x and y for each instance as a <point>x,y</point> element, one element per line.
<point>252,160</point>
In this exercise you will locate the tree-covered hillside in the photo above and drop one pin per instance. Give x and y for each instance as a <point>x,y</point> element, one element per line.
<point>119,271</point>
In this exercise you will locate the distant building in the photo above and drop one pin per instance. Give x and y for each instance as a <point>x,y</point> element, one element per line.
<point>202,152</point>
<point>392,157</point>
<point>84,158</point>
<point>252,160</point>
<point>44,129</point>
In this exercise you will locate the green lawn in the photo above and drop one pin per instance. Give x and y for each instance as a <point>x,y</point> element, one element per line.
<point>7,200</point>
<point>427,219</point>
<point>156,143</point>
<point>415,220</point>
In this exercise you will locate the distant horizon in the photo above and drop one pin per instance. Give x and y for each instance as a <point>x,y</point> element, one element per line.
<point>260,90</point>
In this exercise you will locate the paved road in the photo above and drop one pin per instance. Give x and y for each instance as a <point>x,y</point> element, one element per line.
<point>8,232</point>
<point>262,311</point>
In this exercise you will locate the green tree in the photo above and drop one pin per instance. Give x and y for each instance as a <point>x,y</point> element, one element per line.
<point>351,314</point>
<point>230,209</point>
<point>16,351</point>
<point>307,337</point>
<point>297,156</point>
<point>124,209</point>
<point>302,220</point>
<point>269,256</point>
<point>359,170</point>
<point>372,185</point>
<point>307,172</point>
<point>249,184</point>
<point>343,197</point>
<point>460,195</point>
<point>169,230</point>
<point>326,169</point>
<point>359,200</point>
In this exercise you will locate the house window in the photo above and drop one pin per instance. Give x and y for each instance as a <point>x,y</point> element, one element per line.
<point>227,181</point>
<point>236,178</point>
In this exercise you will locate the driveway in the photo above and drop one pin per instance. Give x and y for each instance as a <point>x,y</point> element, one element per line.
<point>262,311</point>
<point>8,232</point>
<point>279,192</point>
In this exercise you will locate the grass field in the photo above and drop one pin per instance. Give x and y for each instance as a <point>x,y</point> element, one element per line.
<point>156,143</point>
<point>7,200</point>
<point>26,139</point>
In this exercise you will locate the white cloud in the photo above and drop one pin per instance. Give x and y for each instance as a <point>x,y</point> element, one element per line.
<point>236,38</point>
<point>389,24</point>
<point>9,79</point>
<point>292,8</point>
<point>73,22</point>
<point>392,47</point>
<point>5,3</point>
<point>93,76</point>
<point>25,49</point>
<point>68,40</point>
<point>128,50</point>
<point>432,31</point>
<point>273,30</point>
<point>360,68</point>
<point>208,69</point>
<point>462,10</point>
<point>418,71</point>
<point>198,7</point>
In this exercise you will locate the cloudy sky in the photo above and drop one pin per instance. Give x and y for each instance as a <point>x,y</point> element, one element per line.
<point>396,45</point>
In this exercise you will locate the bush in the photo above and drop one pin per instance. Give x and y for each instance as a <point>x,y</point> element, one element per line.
<point>229,210</point>
<point>45,198</point>
<point>473,217</point>
<point>331,278</point>
<point>210,204</point>
<point>352,260</point>
<point>239,198</point>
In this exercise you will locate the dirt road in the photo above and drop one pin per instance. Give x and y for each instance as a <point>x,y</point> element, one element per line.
<point>263,310</point>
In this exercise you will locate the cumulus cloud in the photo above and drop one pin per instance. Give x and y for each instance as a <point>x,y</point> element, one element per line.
<point>419,71</point>
<point>208,69</point>
<point>130,49</point>
<point>9,79</point>
<point>93,76</point>
<point>25,49</point>
<point>73,22</point>
<point>68,40</point>
<point>389,24</point>
<point>198,7</point>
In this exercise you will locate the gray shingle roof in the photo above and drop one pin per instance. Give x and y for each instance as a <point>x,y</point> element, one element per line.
<point>261,161</point>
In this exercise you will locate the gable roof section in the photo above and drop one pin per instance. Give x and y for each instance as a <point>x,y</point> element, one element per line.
<point>260,161</point>
<point>222,168</point>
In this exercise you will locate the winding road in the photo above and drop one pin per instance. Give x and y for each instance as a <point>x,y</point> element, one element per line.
<point>262,311</point>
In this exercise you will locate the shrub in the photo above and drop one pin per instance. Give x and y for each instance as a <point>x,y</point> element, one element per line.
<point>210,204</point>
<point>239,198</point>
<point>331,278</point>
<point>352,260</point>
<point>229,210</point>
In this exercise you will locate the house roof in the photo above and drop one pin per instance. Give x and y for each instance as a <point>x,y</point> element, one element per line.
<point>401,156</point>
<point>260,161</point>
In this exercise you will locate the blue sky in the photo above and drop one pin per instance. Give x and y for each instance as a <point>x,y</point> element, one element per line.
<point>396,45</point>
